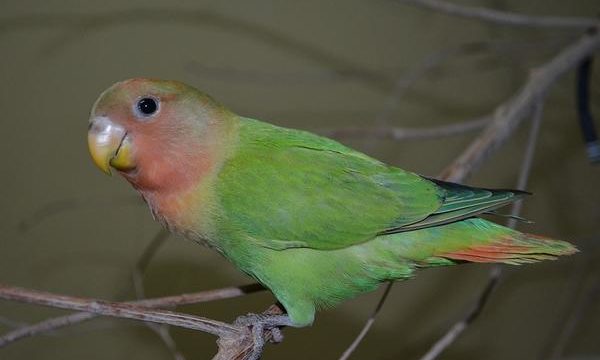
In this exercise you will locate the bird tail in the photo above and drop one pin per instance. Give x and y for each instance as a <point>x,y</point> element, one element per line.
<point>481,241</point>
<point>514,249</point>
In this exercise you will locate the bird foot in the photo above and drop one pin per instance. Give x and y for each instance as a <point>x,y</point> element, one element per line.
<point>259,324</point>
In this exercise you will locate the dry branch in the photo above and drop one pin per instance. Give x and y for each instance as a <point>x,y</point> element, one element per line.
<point>115,309</point>
<point>587,296</point>
<point>137,277</point>
<point>460,326</point>
<point>504,17</point>
<point>510,114</point>
<point>506,118</point>
<point>397,133</point>
<point>240,347</point>
<point>168,301</point>
<point>368,324</point>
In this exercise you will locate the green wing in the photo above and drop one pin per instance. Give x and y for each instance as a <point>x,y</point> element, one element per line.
<point>462,202</point>
<point>286,188</point>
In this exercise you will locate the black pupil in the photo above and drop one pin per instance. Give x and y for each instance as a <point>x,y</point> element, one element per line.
<point>147,106</point>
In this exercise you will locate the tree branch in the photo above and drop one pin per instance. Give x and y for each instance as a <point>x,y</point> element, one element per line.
<point>240,347</point>
<point>585,289</point>
<point>510,114</point>
<point>168,301</point>
<point>368,324</point>
<point>459,327</point>
<point>120,310</point>
<point>506,118</point>
<point>397,133</point>
<point>504,17</point>
<point>137,277</point>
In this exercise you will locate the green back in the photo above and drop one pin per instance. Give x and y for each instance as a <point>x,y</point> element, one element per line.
<point>286,188</point>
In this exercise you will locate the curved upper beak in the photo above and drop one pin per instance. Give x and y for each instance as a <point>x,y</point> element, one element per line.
<point>109,145</point>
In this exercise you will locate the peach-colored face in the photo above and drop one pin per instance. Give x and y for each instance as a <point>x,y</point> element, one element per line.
<point>152,132</point>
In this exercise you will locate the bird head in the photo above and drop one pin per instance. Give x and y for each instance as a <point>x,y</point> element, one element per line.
<point>156,133</point>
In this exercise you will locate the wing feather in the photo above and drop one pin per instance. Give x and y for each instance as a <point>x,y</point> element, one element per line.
<point>286,188</point>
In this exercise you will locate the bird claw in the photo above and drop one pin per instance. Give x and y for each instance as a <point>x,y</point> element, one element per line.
<point>259,324</point>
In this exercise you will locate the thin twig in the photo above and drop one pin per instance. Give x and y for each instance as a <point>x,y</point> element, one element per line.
<point>142,264</point>
<point>402,84</point>
<point>587,297</point>
<point>368,324</point>
<point>509,114</point>
<point>120,310</point>
<point>496,272</point>
<point>462,325</point>
<point>527,162</point>
<point>10,323</point>
<point>397,133</point>
<point>585,285</point>
<point>137,277</point>
<point>406,80</point>
<point>58,207</point>
<point>168,301</point>
<point>337,75</point>
<point>504,17</point>
<point>382,131</point>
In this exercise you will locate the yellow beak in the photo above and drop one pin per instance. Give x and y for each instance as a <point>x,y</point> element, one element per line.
<point>109,145</point>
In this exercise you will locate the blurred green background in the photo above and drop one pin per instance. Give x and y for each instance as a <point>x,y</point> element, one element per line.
<point>314,65</point>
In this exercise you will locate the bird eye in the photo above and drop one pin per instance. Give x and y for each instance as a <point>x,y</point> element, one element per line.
<point>147,106</point>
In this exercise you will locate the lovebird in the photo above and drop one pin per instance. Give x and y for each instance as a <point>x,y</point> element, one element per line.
<point>309,218</point>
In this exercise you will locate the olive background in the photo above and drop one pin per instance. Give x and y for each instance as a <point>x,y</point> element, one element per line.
<point>315,65</point>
